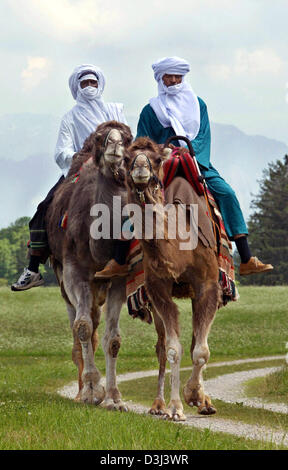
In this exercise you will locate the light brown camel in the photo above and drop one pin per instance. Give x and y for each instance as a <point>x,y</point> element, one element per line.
<point>165,263</point>
<point>77,256</point>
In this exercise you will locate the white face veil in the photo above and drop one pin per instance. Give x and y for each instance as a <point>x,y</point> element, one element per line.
<point>83,72</point>
<point>90,109</point>
<point>176,106</point>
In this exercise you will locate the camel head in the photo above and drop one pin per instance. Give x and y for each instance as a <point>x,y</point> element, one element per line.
<point>108,147</point>
<point>144,166</point>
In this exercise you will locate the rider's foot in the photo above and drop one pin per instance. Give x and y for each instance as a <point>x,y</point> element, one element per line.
<point>112,269</point>
<point>254,266</point>
<point>27,280</point>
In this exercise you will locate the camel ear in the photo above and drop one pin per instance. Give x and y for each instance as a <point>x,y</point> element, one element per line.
<point>93,151</point>
<point>97,148</point>
<point>166,153</point>
<point>95,154</point>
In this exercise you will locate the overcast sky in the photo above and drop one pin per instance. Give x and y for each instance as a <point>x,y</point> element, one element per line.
<point>237,50</point>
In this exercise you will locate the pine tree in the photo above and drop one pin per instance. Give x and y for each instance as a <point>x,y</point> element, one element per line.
<point>268,225</point>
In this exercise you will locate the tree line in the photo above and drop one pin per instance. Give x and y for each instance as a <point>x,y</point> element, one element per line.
<point>14,253</point>
<point>268,234</point>
<point>268,225</point>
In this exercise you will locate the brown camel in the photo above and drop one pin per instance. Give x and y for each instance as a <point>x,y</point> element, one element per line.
<point>166,263</point>
<point>77,256</point>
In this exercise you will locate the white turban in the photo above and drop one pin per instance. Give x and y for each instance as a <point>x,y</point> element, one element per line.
<point>170,65</point>
<point>176,106</point>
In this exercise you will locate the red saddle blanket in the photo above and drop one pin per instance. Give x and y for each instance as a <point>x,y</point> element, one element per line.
<point>137,298</point>
<point>184,162</point>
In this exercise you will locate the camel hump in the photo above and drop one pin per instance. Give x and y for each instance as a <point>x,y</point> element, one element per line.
<point>79,160</point>
<point>180,191</point>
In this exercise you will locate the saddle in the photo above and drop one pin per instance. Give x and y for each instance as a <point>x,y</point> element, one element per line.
<point>180,163</point>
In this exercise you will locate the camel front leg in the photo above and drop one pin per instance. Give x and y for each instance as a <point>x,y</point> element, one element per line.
<point>158,406</point>
<point>174,354</point>
<point>160,295</point>
<point>204,309</point>
<point>80,295</point>
<point>111,344</point>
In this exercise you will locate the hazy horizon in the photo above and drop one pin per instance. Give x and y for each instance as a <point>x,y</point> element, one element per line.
<point>237,52</point>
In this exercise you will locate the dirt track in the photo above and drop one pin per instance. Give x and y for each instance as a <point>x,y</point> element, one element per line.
<point>228,388</point>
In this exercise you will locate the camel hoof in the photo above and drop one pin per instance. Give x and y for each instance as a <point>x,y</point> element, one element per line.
<point>167,415</point>
<point>179,417</point>
<point>97,401</point>
<point>108,405</point>
<point>111,405</point>
<point>123,408</point>
<point>92,395</point>
<point>211,410</point>
<point>206,411</point>
<point>154,412</point>
<point>158,407</point>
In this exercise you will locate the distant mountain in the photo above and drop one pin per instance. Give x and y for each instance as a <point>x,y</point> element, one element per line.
<point>24,184</point>
<point>28,170</point>
<point>23,135</point>
<point>241,159</point>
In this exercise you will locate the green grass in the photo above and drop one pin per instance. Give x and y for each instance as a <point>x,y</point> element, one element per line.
<point>272,388</point>
<point>35,361</point>
<point>35,323</point>
<point>33,417</point>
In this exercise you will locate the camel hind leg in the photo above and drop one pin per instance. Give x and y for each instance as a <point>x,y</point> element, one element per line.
<point>205,306</point>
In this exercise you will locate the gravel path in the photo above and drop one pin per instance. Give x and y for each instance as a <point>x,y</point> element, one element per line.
<point>228,388</point>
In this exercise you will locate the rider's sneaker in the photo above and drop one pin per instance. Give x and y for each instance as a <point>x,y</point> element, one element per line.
<point>27,280</point>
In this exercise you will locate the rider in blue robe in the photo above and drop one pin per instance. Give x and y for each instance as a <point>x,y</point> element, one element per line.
<point>224,195</point>
<point>178,111</point>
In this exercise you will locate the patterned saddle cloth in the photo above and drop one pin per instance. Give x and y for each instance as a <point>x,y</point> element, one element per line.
<point>137,298</point>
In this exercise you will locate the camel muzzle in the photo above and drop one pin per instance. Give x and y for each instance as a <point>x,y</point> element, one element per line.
<point>114,149</point>
<point>141,170</point>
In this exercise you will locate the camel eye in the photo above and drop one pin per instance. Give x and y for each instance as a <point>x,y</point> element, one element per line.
<point>114,142</point>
